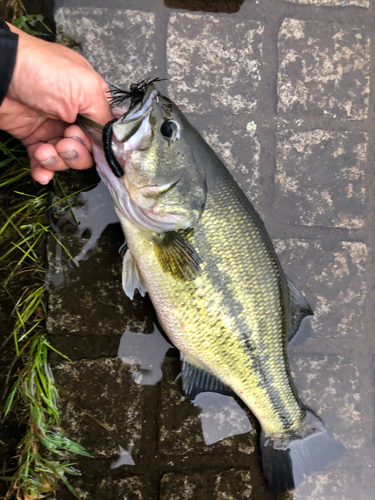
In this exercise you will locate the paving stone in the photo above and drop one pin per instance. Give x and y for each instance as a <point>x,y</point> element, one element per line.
<point>208,485</point>
<point>323,69</point>
<point>180,424</point>
<point>107,488</point>
<point>368,484</point>
<point>332,485</point>
<point>213,62</point>
<point>118,43</point>
<point>332,276</point>
<point>337,3</point>
<point>237,145</point>
<point>89,300</point>
<point>101,405</point>
<point>320,178</point>
<point>233,484</point>
<point>332,387</point>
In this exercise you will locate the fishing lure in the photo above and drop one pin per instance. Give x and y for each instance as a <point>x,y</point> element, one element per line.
<point>135,94</point>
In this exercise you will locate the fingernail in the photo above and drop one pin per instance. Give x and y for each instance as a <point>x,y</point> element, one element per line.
<point>43,183</point>
<point>71,155</point>
<point>76,138</point>
<point>49,162</point>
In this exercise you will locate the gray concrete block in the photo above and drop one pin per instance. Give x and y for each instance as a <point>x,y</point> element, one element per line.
<point>320,178</point>
<point>331,386</point>
<point>335,3</point>
<point>331,485</point>
<point>107,488</point>
<point>333,279</point>
<point>118,43</point>
<point>229,485</point>
<point>213,62</point>
<point>89,300</point>
<point>236,142</point>
<point>101,405</point>
<point>323,69</point>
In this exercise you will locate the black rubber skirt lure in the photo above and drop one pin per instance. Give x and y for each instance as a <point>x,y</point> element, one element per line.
<point>108,151</point>
<point>135,94</point>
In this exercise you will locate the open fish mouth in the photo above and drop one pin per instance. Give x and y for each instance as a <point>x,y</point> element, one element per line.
<point>132,130</point>
<point>141,107</point>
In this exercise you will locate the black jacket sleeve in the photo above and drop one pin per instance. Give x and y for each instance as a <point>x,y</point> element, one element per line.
<point>8,53</point>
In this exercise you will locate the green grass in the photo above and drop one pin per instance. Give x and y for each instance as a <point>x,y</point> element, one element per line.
<point>30,393</point>
<point>31,386</point>
<point>29,23</point>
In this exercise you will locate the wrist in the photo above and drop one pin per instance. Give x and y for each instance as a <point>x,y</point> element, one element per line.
<point>24,86</point>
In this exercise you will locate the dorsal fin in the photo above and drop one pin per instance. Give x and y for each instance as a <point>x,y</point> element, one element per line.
<point>196,379</point>
<point>299,308</point>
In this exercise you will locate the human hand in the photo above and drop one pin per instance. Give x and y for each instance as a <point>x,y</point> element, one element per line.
<point>50,86</point>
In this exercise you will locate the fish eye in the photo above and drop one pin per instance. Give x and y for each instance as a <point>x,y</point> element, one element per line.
<point>170,130</point>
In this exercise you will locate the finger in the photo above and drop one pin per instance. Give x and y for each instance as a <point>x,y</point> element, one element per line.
<point>46,156</point>
<point>74,153</point>
<point>75,132</point>
<point>45,130</point>
<point>104,85</point>
<point>97,108</point>
<point>39,173</point>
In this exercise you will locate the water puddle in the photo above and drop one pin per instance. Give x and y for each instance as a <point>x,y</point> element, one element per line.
<point>221,417</point>
<point>147,352</point>
<point>94,215</point>
<point>94,211</point>
<point>125,457</point>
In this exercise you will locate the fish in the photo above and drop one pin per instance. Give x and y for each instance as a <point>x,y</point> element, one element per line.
<point>199,248</point>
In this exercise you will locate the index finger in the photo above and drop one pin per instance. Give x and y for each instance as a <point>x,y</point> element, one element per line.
<point>98,110</point>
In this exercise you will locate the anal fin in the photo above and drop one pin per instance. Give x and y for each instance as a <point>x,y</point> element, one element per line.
<point>196,379</point>
<point>131,278</point>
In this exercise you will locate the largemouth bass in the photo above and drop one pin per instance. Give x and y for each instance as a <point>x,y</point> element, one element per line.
<point>202,252</point>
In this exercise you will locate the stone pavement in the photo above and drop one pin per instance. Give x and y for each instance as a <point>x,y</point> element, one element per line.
<point>283,91</point>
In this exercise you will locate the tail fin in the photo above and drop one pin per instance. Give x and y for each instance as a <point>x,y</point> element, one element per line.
<point>287,461</point>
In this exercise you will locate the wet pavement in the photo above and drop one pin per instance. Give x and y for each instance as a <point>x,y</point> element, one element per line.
<point>282,92</point>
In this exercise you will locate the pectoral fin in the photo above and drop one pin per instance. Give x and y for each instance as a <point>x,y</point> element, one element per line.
<point>196,379</point>
<point>131,278</point>
<point>177,256</point>
<point>299,308</point>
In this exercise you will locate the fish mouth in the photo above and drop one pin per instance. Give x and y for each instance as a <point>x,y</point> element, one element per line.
<point>150,94</point>
<point>129,123</point>
<point>126,125</point>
